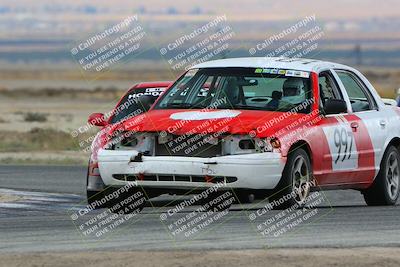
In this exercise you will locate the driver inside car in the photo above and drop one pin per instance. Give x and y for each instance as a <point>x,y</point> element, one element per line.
<point>293,91</point>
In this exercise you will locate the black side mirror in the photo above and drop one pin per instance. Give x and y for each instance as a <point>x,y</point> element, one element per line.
<point>335,106</point>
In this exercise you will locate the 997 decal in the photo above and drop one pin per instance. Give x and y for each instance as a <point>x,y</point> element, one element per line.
<point>342,147</point>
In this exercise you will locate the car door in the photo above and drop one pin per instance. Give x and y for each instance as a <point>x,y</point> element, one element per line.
<point>373,123</point>
<point>346,146</point>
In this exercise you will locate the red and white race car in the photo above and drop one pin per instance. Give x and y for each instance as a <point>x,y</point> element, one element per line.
<point>127,107</point>
<point>270,126</point>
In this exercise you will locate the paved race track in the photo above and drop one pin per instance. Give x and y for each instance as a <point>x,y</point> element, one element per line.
<point>42,219</point>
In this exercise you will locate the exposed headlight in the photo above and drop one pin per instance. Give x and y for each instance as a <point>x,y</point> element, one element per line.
<point>263,145</point>
<point>131,140</point>
<point>125,140</point>
<point>238,144</point>
<point>235,145</point>
<point>267,144</point>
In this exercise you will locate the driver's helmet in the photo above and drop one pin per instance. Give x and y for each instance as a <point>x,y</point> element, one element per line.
<point>293,90</point>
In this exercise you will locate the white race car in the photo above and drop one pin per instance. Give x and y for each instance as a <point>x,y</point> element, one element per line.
<point>266,126</point>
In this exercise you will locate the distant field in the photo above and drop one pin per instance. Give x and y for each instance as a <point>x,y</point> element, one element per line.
<point>20,82</point>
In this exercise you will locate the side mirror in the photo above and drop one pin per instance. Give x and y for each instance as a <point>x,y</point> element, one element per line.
<point>97,119</point>
<point>389,102</point>
<point>335,106</point>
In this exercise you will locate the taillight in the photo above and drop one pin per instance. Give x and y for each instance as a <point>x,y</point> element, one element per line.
<point>94,169</point>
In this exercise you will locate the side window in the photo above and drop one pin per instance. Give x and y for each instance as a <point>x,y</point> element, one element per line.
<point>328,89</point>
<point>360,98</point>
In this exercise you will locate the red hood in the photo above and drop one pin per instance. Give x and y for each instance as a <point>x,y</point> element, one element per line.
<point>260,123</point>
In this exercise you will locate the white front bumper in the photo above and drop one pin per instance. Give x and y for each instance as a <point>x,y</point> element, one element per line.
<point>253,171</point>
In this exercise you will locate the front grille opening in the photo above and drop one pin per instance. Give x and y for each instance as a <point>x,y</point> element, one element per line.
<point>246,144</point>
<point>189,146</point>
<point>150,178</point>
<point>182,178</point>
<point>175,178</point>
<point>198,179</point>
<point>165,178</point>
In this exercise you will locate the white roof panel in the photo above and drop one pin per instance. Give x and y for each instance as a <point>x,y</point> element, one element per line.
<point>271,62</point>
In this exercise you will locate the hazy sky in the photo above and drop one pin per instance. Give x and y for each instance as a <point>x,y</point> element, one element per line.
<point>250,9</point>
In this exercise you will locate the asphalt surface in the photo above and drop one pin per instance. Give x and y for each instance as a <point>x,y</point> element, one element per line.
<point>50,216</point>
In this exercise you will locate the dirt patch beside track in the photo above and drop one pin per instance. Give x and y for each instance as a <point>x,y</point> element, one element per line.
<point>268,257</point>
<point>8,198</point>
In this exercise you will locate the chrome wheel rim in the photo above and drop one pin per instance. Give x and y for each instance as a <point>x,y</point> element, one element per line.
<point>301,179</point>
<point>392,175</point>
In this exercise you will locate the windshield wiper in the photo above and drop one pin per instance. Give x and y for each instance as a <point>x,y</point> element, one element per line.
<point>179,105</point>
<point>241,106</point>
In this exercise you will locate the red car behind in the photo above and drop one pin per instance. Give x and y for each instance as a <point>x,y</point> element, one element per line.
<point>128,106</point>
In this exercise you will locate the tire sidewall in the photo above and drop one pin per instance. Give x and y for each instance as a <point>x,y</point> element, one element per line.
<point>383,177</point>
<point>285,186</point>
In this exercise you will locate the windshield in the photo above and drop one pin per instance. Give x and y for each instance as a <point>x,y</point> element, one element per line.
<point>240,88</point>
<point>130,106</point>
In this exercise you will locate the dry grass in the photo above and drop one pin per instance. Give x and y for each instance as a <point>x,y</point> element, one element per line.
<point>35,116</point>
<point>37,139</point>
<point>327,257</point>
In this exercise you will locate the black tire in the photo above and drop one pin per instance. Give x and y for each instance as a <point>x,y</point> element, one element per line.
<point>93,197</point>
<point>245,197</point>
<point>383,191</point>
<point>294,187</point>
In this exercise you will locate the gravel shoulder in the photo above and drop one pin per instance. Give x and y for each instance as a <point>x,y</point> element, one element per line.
<point>269,257</point>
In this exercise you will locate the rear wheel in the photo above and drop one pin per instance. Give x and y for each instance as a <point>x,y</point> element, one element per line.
<point>295,184</point>
<point>385,189</point>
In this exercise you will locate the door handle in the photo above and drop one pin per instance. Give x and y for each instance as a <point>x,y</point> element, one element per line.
<point>354,126</point>
<point>382,123</point>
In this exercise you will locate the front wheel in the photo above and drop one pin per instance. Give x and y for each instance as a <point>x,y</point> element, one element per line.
<point>245,197</point>
<point>295,184</point>
<point>385,189</point>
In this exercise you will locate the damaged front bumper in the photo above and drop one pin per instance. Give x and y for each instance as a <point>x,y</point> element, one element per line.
<point>246,171</point>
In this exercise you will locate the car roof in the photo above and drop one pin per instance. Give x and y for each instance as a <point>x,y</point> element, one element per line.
<point>301,64</point>
<point>152,84</point>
